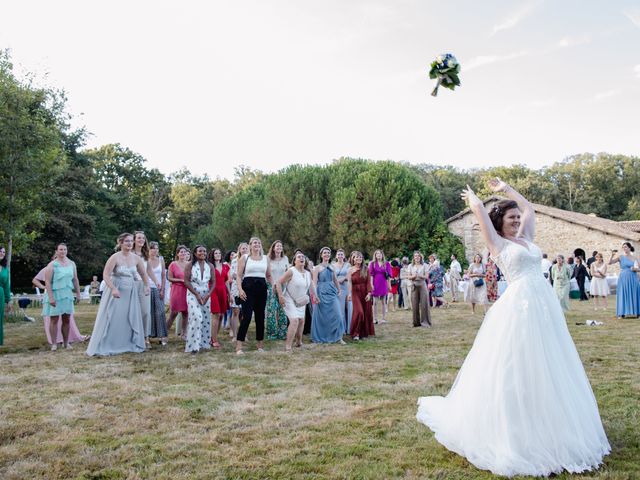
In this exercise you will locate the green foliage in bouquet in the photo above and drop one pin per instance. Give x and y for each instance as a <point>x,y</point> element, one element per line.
<point>447,70</point>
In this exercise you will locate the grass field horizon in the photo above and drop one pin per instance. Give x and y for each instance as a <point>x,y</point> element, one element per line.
<point>326,411</point>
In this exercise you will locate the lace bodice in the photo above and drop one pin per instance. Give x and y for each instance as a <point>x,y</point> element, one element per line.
<point>517,262</point>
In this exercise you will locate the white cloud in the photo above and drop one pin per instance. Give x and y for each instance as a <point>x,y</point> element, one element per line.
<point>514,18</point>
<point>636,69</point>
<point>573,41</point>
<point>598,97</point>
<point>483,60</point>
<point>633,15</point>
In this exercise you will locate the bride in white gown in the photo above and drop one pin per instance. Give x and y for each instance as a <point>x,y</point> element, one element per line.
<point>521,403</point>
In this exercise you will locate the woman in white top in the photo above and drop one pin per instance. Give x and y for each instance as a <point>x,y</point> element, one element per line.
<point>157,282</point>
<point>295,298</point>
<point>275,315</point>
<point>252,276</point>
<point>599,287</point>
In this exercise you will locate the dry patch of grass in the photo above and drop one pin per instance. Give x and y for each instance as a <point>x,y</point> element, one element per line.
<point>327,411</point>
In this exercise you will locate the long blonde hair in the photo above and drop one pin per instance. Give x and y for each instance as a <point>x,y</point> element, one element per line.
<point>253,239</point>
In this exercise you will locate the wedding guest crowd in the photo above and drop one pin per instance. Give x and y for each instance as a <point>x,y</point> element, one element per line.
<point>334,298</point>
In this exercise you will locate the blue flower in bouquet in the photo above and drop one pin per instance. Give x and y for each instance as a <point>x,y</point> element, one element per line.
<point>446,69</point>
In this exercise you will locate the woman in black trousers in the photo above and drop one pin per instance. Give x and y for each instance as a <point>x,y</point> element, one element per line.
<point>580,273</point>
<point>252,276</point>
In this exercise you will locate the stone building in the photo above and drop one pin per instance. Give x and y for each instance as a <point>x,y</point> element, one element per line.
<point>557,231</point>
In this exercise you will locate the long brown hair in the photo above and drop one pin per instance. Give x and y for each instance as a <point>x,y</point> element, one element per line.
<point>144,251</point>
<point>364,271</point>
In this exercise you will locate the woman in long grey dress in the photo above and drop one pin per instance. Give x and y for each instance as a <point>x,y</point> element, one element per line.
<point>341,268</point>
<point>141,249</point>
<point>327,324</point>
<point>118,326</point>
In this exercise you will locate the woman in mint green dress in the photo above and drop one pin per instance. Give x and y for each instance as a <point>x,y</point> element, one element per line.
<point>5,289</point>
<point>61,278</point>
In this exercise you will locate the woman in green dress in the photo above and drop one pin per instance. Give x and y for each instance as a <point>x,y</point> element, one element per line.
<point>61,278</point>
<point>5,289</point>
<point>561,276</point>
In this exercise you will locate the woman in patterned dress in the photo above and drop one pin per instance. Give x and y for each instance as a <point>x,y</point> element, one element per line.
<point>221,294</point>
<point>491,279</point>
<point>276,317</point>
<point>200,282</point>
<point>436,282</point>
<point>61,278</point>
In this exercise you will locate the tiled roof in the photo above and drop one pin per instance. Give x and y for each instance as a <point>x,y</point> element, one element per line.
<point>590,221</point>
<point>633,225</point>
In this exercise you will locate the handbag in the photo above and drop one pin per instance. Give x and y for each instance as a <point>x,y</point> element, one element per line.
<point>478,282</point>
<point>301,301</point>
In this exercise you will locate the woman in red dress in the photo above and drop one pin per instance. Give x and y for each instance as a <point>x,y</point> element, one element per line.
<point>395,283</point>
<point>221,293</point>
<point>360,296</point>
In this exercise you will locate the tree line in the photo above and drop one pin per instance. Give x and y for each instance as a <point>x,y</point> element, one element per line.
<point>55,189</point>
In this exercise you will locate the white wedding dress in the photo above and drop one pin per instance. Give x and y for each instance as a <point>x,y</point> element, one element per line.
<point>521,403</point>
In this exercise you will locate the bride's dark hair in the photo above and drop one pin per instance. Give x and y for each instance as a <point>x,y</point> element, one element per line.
<point>497,212</point>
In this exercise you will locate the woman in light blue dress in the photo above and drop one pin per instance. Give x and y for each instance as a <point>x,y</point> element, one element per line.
<point>327,325</point>
<point>61,279</point>
<point>628,288</point>
<point>341,268</point>
<point>119,327</point>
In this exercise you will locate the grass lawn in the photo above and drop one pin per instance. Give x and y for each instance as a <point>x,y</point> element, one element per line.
<point>326,411</point>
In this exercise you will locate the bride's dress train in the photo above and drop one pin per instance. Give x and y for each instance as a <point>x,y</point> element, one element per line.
<point>521,403</point>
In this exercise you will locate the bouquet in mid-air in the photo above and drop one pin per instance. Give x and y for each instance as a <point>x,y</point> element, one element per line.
<point>447,70</point>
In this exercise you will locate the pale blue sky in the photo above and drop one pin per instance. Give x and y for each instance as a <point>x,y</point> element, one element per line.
<point>212,85</point>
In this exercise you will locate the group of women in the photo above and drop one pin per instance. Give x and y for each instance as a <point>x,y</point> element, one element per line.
<point>627,288</point>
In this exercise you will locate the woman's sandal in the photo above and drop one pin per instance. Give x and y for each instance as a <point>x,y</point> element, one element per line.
<point>216,345</point>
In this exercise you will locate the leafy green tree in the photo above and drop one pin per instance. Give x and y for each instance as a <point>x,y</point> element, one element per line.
<point>443,243</point>
<point>387,206</point>
<point>32,120</point>
<point>233,217</point>
<point>76,212</point>
<point>295,208</point>
<point>449,182</point>
<point>193,200</point>
<point>139,197</point>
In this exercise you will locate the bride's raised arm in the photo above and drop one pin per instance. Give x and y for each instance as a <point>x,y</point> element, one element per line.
<point>528,220</point>
<point>493,240</point>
